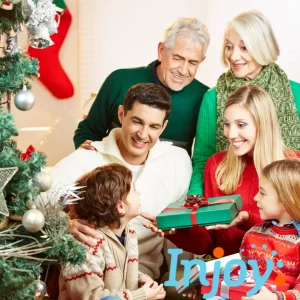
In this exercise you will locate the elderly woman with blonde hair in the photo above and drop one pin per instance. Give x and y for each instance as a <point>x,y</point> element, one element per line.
<point>250,50</point>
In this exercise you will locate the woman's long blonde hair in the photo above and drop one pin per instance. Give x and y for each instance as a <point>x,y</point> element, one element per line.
<point>268,146</point>
<point>284,176</point>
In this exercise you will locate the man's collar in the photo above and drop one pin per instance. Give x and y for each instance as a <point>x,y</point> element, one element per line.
<point>154,73</point>
<point>109,146</point>
<point>274,222</point>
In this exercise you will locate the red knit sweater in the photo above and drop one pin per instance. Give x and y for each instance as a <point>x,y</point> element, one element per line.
<point>259,243</point>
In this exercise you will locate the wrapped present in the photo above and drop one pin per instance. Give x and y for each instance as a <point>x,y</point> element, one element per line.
<point>210,267</point>
<point>199,211</point>
<point>235,293</point>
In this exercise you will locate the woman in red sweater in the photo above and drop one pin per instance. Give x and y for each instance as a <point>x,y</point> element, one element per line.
<point>251,127</point>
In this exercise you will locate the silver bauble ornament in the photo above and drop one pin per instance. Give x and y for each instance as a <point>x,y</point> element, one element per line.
<point>43,180</point>
<point>33,220</point>
<point>24,99</point>
<point>40,288</point>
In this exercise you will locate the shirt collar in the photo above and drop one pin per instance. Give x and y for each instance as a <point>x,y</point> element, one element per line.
<point>274,222</point>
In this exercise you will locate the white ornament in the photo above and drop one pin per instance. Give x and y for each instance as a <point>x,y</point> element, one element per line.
<point>24,99</point>
<point>43,180</point>
<point>33,220</point>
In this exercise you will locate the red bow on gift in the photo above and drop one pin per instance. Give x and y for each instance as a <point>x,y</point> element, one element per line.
<point>195,201</point>
<point>28,154</point>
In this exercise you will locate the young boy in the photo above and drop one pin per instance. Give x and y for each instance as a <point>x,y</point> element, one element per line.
<point>111,267</point>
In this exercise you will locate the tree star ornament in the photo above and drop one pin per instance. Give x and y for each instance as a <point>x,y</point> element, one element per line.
<point>5,176</point>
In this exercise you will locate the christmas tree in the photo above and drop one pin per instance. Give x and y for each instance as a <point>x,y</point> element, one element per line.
<point>33,226</point>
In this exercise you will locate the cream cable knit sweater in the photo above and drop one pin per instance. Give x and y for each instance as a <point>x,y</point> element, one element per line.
<point>110,269</point>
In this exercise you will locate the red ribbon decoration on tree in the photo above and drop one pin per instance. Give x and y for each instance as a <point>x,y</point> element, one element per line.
<point>28,154</point>
<point>195,202</point>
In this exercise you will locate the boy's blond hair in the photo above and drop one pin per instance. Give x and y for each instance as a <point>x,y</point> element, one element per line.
<point>284,176</point>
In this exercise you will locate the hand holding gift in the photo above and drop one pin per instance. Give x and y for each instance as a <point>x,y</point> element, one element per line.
<point>241,218</point>
<point>263,294</point>
<point>153,225</point>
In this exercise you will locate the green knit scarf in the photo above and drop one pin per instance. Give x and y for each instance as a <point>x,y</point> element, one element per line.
<point>274,80</point>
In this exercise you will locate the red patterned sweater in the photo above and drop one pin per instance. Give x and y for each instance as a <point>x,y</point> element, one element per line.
<point>110,269</point>
<point>230,239</point>
<point>259,244</point>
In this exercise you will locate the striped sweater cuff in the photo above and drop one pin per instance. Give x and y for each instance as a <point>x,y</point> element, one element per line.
<point>138,294</point>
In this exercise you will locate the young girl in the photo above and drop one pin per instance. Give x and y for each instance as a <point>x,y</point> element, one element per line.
<point>251,127</point>
<point>111,267</point>
<point>278,201</point>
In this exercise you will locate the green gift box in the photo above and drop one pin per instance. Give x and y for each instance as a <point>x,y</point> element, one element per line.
<point>211,211</point>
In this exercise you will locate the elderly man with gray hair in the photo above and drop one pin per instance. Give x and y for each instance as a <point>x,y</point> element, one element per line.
<point>179,56</point>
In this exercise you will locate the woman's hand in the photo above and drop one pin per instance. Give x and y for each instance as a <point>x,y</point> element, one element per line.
<point>87,145</point>
<point>263,294</point>
<point>241,218</point>
<point>84,232</point>
<point>153,225</point>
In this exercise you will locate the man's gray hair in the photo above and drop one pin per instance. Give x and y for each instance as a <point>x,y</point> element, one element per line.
<point>188,27</point>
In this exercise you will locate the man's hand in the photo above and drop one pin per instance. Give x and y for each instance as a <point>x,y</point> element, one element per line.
<point>87,145</point>
<point>241,218</point>
<point>154,293</point>
<point>153,225</point>
<point>84,232</point>
<point>263,294</point>
<point>193,293</point>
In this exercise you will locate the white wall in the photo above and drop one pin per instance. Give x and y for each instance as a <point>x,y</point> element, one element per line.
<point>110,34</point>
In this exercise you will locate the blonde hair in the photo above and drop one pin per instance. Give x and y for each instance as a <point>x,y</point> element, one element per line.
<point>268,145</point>
<point>257,34</point>
<point>188,27</point>
<point>284,176</point>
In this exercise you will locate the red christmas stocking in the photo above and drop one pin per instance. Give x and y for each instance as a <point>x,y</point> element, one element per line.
<point>52,75</point>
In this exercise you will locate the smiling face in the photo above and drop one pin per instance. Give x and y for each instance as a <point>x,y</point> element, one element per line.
<point>240,61</point>
<point>141,128</point>
<point>178,65</point>
<point>240,129</point>
<point>270,207</point>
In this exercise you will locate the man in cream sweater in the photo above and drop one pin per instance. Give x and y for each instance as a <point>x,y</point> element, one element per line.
<point>161,171</point>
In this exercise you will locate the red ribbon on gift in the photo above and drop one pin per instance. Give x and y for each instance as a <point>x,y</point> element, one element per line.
<point>195,202</point>
<point>28,154</point>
